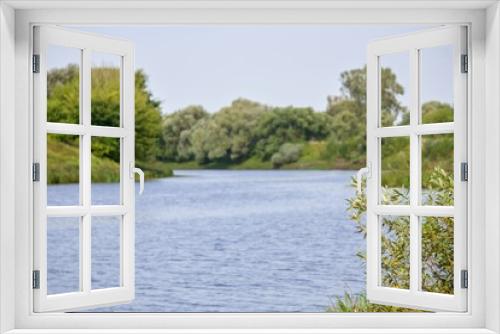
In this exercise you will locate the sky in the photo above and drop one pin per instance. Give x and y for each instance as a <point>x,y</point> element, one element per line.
<point>277,65</point>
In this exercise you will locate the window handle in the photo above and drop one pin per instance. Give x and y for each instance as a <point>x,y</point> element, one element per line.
<point>359,176</point>
<point>134,170</point>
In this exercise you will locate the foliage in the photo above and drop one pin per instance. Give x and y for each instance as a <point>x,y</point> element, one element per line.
<point>63,164</point>
<point>175,132</point>
<point>228,135</point>
<point>359,303</point>
<point>243,131</point>
<point>147,121</point>
<point>436,112</point>
<point>287,153</point>
<point>348,112</point>
<point>63,95</point>
<point>437,244</point>
<point>392,111</point>
<point>395,169</point>
<point>247,133</point>
<point>63,89</point>
<point>289,125</point>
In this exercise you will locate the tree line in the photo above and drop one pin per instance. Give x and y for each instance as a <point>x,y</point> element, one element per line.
<point>244,134</point>
<point>247,129</point>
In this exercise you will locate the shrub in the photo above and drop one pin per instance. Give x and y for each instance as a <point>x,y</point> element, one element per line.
<point>287,153</point>
<point>437,245</point>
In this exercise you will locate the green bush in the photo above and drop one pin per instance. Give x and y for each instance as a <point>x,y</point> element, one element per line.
<point>287,153</point>
<point>63,107</point>
<point>359,303</point>
<point>437,245</point>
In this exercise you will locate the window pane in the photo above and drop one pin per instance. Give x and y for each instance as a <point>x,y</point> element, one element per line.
<point>63,169</point>
<point>105,104</point>
<point>106,171</point>
<point>63,84</point>
<point>394,89</point>
<point>395,251</point>
<point>63,255</point>
<point>437,169</point>
<point>436,84</point>
<point>395,170</point>
<point>106,234</point>
<point>437,254</point>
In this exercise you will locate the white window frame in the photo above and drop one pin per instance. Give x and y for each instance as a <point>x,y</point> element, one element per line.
<point>411,44</point>
<point>86,43</point>
<point>15,149</point>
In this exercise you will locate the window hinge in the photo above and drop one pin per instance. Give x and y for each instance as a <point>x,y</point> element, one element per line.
<point>465,63</point>
<point>464,171</point>
<point>36,172</point>
<point>36,279</point>
<point>36,63</point>
<point>464,279</point>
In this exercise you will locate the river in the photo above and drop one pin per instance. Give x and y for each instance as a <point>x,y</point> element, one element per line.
<point>227,241</point>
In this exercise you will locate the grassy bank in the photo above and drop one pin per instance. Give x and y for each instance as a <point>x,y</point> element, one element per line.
<point>314,156</point>
<point>63,165</point>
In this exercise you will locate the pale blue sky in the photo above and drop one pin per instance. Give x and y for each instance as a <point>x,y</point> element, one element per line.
<point>278,65</point>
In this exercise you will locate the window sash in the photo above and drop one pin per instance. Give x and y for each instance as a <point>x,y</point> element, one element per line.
<point>414,297</point>
<point>86,296</point>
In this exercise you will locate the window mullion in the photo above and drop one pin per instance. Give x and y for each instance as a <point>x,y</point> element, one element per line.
<point>414,172</point>
<point>85,174</point>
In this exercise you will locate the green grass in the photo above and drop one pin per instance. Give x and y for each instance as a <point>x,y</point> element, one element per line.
<point>314,156</point>
<point>252,163</point>
<point>359,304</point>
<point>62,162</point>
<point>155,169</point>
<point>63,165</point>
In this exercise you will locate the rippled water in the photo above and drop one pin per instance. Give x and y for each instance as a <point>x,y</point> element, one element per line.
<point>227,241</point>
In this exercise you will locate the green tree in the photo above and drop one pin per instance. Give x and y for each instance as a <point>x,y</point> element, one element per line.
<point>348,139</point>
<point>63,107</point>
<point>289,125</point>
<point>63,95</point>
<point>436,112</point>
<point>176,129</point>
<point>63,101</point>
<point>287,153</point>
<point>147,121</point>
<point>229,135</point>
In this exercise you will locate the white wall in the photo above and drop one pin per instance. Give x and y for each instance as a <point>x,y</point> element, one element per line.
<point>6,167</point>
<point>493,166</point>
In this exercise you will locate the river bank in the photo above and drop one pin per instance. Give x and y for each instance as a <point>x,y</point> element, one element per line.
<point>63,164</point>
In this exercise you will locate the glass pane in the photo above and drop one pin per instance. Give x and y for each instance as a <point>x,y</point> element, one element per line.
<point>106,234</point>
<point>436,84</point>
<point>395,251</point>
<point>63,169</point>
<point>63,84</point>
<point>437,254</point>
<point>106,171</point>
<point>437,169</point>
<point>105,104</point>
<point>395,170</point>
<point>63,255</point>
<point>394,89</point>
